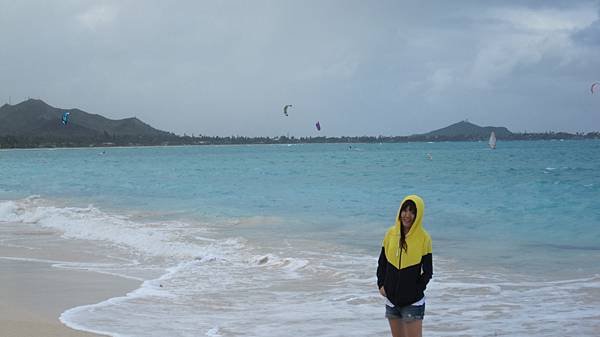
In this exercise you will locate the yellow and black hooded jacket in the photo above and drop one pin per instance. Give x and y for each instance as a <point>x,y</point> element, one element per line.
<point>404,274</point>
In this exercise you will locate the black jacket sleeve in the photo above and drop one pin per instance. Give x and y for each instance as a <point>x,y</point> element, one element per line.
<point>381,266</point>
<point>427,266</point>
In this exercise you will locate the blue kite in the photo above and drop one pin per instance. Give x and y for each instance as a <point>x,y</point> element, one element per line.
<point>65,118</point>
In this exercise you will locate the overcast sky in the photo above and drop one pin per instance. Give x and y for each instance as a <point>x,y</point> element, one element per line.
<point>359,67</point>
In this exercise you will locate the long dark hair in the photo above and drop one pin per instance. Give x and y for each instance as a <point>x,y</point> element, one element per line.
<point>411,207</point>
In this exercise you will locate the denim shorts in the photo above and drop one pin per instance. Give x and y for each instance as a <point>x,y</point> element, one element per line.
<point>406,314</point>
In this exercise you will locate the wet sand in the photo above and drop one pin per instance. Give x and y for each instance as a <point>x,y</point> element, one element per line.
<point>35,294</point>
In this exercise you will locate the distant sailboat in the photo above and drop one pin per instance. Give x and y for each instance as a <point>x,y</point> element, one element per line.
<point>492,141</point>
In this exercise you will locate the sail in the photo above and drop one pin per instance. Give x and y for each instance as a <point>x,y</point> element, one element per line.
<point>492,141</point>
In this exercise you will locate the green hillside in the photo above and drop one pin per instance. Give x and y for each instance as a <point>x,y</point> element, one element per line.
<point>36,118</point>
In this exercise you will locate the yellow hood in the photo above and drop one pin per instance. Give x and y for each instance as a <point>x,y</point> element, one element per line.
<point>417,225</point>
<point>417,239</point>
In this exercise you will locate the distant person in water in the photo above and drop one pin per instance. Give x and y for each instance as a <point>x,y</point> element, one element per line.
<point>404,269</point>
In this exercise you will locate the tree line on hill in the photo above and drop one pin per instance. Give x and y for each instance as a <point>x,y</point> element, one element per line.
<point>107,140</point>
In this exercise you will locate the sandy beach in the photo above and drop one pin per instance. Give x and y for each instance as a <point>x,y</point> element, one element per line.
<point>34,294</point>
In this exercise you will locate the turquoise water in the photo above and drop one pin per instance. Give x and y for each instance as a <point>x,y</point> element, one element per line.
<point>526,208</point>
<point>523,193</point>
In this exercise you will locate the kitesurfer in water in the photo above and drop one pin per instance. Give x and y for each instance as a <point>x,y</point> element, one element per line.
<point>405,267</point>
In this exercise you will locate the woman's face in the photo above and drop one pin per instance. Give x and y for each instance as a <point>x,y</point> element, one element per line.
<point>407,218</point>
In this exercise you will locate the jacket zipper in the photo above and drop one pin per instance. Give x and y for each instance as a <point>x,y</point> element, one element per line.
<point>399,266</point>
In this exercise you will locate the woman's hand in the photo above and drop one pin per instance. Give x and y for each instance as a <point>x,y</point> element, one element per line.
<point>382,291</point>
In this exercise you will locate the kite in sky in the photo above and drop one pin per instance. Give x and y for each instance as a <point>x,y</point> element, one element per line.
<point>318,125</point>
<point>285,109</point>
<point>65,118</point>
<point>595,86</point>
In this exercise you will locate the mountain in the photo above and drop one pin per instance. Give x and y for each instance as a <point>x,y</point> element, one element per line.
<point>35,124</point>
<point>467,129</point>
<point>34,117</point>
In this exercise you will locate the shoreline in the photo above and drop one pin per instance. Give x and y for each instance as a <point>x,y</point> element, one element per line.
<point>34,295</point>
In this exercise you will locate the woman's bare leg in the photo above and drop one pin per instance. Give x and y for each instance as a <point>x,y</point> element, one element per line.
<point>414,328</point>
<point>398,328</point>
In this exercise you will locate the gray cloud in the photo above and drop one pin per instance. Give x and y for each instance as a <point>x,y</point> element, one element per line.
<point>359,67</point>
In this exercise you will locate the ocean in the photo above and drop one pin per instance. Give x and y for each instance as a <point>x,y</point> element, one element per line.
<point>272,240</point>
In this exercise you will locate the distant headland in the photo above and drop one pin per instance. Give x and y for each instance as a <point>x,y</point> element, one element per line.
<point>35,124</point>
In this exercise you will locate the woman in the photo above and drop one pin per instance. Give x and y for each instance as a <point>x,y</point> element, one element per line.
<point>405,267</point>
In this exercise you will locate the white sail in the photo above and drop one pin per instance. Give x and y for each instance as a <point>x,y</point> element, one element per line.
<point>492,141</point>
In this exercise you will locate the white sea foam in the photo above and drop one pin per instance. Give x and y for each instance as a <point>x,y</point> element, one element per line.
<point>165,239</point>
<point>8,211</point>
<point>257,299</point>
<point>214,332</point>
